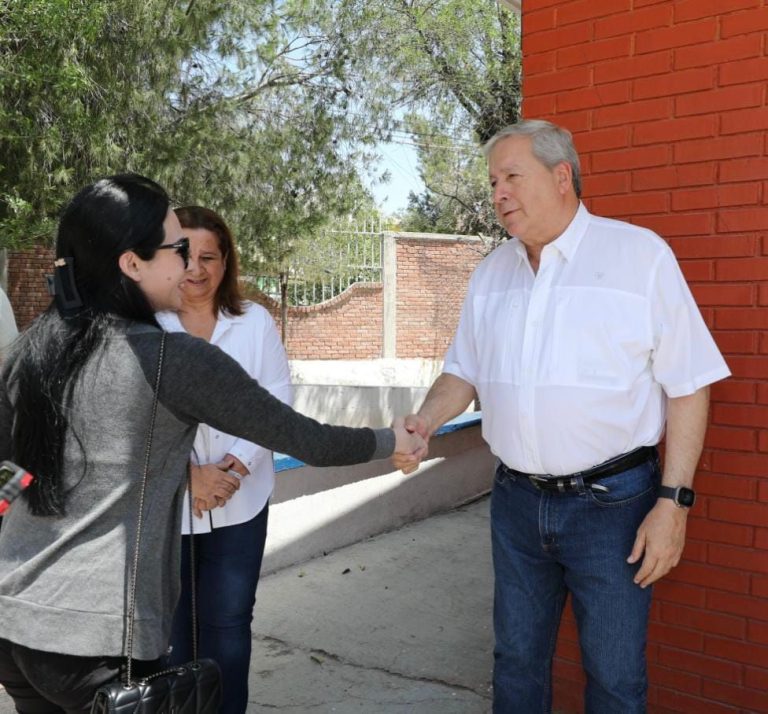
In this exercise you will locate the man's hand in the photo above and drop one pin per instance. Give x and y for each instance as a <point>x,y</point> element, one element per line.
<point>410,445</point>
<point>659,542</point>
<point>212,486</point>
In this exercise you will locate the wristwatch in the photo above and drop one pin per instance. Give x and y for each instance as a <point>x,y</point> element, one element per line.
<point>682,496</point>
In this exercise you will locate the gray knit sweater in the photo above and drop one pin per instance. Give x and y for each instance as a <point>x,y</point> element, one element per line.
<point>63,580</point>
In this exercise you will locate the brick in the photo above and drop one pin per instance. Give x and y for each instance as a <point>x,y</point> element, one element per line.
<point>745,559</point>
<point>710,576</point>
<point>589,9</point>
<point>605,184</point>
<point>705,621</point>
<point>725,99</point>
<point>760,590</point>
<point>749,606</point>
<point>732,390</point>
<point>692,33</point>
<point>680,702</point>
<point>544,19</point>
<point>718,532</point>
<point>741,464</point>
<point>756,678</point>
<point>762,393</point>
<point>538,107</point>
<point>595,51</point>
<point>577,121</point>
<point>741,512</point>
<point>690,224</point>
<point>718,53</point>
<point>602,139</point>
<point>630,159</point>
<point>730,486</point>
<point>686,10</point>
<point>744,23</point>
<point>736,342</point>
<point>555,39</point>
<point>719,148</point>
<point>674,176</point>
<point>737,651</point>
<point>694,270</point>
<point>633,67</point>
<point>749,699</point>
<point>670,591</point>
<point>539,64</point>
<point>737,269</point>
<point>593,97</point>
<point>679,637</point>
<point>762,441</point>
<point>630,205</point>
<point>743,194</point>
<point>558,81</point>
<point>729,246</point>
<point>744,72</point>
<point>749,367</point>
<point>744,169</point>
<point>667,677</point>
<point>636,21</point>
<point>674,83</point>
<point>743,120</point>
<point>742,220</point>
<point>718,294</point>
<point>675,130</point>
<point>761,538</point>
<point>634,112</point>
<point>712,667</point>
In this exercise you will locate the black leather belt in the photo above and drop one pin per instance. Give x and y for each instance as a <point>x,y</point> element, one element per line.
<point>573,482</point>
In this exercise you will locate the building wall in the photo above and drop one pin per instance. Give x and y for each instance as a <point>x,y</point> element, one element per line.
<point>667,103</point>
<point>431,277</point>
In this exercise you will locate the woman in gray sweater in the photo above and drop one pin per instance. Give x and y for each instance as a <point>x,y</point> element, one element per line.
<point>75,401</point>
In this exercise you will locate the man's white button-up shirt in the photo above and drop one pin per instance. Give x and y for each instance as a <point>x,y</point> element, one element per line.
<point>572,363</point>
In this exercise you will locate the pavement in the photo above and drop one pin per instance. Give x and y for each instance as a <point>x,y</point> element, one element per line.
<point>399,623</point>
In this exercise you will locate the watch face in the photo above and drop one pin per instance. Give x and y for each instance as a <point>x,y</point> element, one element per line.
<point>686,497</point>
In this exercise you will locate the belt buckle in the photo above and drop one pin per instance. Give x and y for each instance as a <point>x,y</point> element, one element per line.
<point>538,481</point>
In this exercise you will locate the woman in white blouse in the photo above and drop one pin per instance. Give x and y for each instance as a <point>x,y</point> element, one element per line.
<point>232,479</point>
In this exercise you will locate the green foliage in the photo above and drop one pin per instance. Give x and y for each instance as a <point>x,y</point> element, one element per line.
<point>237,105</point>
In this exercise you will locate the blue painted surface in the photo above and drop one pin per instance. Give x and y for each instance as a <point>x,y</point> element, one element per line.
<point>283,462</point>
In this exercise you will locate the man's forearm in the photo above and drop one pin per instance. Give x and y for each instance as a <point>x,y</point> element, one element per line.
<point>448,397</point>
<point>686,427</point>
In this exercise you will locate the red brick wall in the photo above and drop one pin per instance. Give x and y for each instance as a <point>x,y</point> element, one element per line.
<point>667,103</point>
<point>432,279</point>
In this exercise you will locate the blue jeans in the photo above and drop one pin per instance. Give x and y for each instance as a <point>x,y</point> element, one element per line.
<point>548,544</point>
<point>228,561</point>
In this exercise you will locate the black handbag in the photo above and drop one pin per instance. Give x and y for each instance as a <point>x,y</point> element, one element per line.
<point>193,688</point>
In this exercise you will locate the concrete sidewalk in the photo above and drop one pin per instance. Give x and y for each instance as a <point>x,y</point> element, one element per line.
<point>397,623</point>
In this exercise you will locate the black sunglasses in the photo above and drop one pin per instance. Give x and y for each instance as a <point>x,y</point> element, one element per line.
<point>181,246</point>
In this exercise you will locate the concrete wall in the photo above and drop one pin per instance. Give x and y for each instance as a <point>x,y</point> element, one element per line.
<point>316,510</point>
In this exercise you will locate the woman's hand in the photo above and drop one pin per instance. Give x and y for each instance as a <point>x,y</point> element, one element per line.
<point>212,486</point>
<point>410,446</point>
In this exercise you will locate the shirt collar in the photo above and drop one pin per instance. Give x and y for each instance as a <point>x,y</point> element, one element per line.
<point>568,241</point>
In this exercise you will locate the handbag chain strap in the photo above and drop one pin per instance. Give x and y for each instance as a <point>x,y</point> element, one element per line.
<point>128,681</point>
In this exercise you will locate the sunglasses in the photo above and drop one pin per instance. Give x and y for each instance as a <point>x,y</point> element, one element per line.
<point>181,247</point>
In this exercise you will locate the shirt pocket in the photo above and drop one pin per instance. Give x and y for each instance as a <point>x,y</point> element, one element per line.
<point>601,338</point>
<point>499,320</point>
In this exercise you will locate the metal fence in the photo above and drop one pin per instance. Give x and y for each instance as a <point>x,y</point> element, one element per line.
<point>343,258</point>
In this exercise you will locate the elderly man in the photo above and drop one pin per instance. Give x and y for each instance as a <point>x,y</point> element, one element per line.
<point>583,342</point>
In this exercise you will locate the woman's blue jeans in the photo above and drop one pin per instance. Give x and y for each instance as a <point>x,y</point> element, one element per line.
<point>228,561</point>
<point>546,545</point>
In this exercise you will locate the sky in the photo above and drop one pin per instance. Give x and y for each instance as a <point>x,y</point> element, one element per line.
<point>400,160</point>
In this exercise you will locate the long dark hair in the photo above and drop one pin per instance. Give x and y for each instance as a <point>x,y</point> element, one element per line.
<point>228,297</point>
<point>105,219</point>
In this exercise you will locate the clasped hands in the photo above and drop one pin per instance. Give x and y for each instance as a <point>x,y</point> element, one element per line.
<point>411,442</point>
<point>213,484</point>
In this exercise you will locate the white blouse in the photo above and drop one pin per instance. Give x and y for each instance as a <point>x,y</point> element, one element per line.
<point>251,339</point>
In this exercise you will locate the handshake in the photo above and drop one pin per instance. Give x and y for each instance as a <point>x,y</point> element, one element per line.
<point>411,442</point>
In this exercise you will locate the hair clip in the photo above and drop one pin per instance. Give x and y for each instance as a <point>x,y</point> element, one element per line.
<point>64,286</point>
